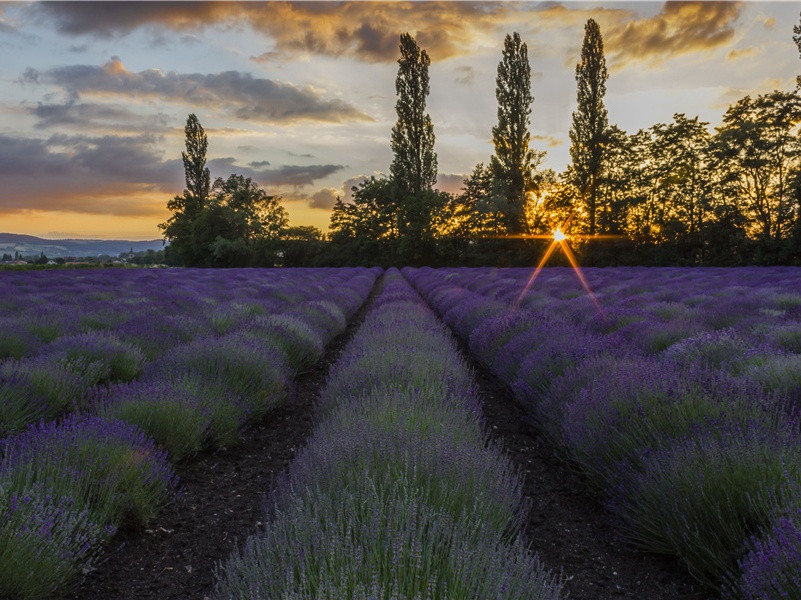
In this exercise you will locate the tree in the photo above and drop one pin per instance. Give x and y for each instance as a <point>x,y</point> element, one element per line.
<point>239,219</point>
<point>513,163</point>
<point>797,40</point>
<point>589,121</point>
<point>365,230</point>
<point>414,166</point>
<point>757,154</point>
<point>188,206</point>
<point>680,175</point>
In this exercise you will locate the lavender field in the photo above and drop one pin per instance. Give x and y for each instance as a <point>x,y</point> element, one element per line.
<point>673,392</point>
<point>110,377</point>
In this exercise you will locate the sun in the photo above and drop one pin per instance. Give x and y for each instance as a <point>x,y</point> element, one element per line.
<point>560,241</point>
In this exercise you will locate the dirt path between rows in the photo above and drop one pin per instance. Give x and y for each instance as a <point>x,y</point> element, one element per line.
<point>567,526</point>
<point>221,505</point>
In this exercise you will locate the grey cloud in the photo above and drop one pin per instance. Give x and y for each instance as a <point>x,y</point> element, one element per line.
<point>324,199</point>
<point>257,164</point>
<point>465,75</point>
<point>69,173</point>
<point>89,117</point>
<point>367,31</point>
<point>241,94</point>
<point>299,155</point>
<point>450,182</point>
<point>285,175</point>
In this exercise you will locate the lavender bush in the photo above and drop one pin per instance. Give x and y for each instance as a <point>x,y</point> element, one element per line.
<point>108,466</point>
<point>379,504</point>
<point>695,445</point>
<point>46,541</point>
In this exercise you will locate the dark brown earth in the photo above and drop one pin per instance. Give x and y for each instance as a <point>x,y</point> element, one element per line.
<point>174,558</point>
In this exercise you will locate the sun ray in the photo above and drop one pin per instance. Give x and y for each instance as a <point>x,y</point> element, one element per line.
<point>577,269</point>
<point>545,258</point>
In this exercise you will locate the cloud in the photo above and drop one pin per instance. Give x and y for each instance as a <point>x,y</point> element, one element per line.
<point>98,175</point>
<point>550,140</point>
<point>465,75</point>
<point>739,53</point>
<point>239,94</point>
<point>679,28</point>
<point>285,175</point>
<point>451,183</point>
<point>85,116</point>
<point>110,19</point>
<point>367,31</point>
<point>118,175</point>
<point>305,155</point>
<point>324,198</point>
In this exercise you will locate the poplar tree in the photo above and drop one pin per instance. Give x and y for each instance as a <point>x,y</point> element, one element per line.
<point>414,166</point>
<point>188,206</point>
<point>513,162</point>
<point>590,120</point>
<point>197,176</point>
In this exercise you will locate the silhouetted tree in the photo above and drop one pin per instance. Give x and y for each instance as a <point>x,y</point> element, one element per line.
<point>414,166</point>
<point>513,163</point>
<point>589,121</point>
<point>187,207</point>
<point>757,153</point>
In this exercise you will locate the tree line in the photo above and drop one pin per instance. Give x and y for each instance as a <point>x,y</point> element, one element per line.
<point>674,193</point>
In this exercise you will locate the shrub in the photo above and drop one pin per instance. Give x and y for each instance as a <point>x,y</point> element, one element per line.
<point>252,369</point>
<point>109,466</point>
<point>46,541</point>
<point>39,388</point>
<point>361,544</point>
<point>771,569</point>
<point>99,355</point>
<point>703,498</point>
<point>165,412</point>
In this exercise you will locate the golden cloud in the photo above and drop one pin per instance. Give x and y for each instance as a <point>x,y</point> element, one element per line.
<point>739,53</point>
<point>679,28</point>
<point>368,31</point>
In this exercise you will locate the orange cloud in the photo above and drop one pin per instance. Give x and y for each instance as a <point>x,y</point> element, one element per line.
<point>739,53</point>
<point>368,31</point>
<point>679,28</point>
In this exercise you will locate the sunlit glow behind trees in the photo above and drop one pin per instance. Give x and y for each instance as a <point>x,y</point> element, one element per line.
<point>673,193</point>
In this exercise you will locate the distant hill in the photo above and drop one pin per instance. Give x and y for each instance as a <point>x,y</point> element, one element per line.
<point>29,245</point>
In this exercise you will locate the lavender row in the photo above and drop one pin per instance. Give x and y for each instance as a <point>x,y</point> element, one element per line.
<point>66,486</point>
<point>143,315</point>
<point>398,493</point>
<point>201,394</point>
<point>695,454</point>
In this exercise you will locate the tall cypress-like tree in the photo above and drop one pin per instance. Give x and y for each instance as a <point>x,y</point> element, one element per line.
<point>513,162</point>
<point>414,166</point>
<point>188,206</point>
<point>590,120</point>
<point>198,180</point>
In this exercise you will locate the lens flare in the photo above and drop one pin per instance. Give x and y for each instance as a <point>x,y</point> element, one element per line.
<point>560,240</point>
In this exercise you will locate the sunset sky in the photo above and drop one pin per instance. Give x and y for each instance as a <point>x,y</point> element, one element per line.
<point>301,96</point>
